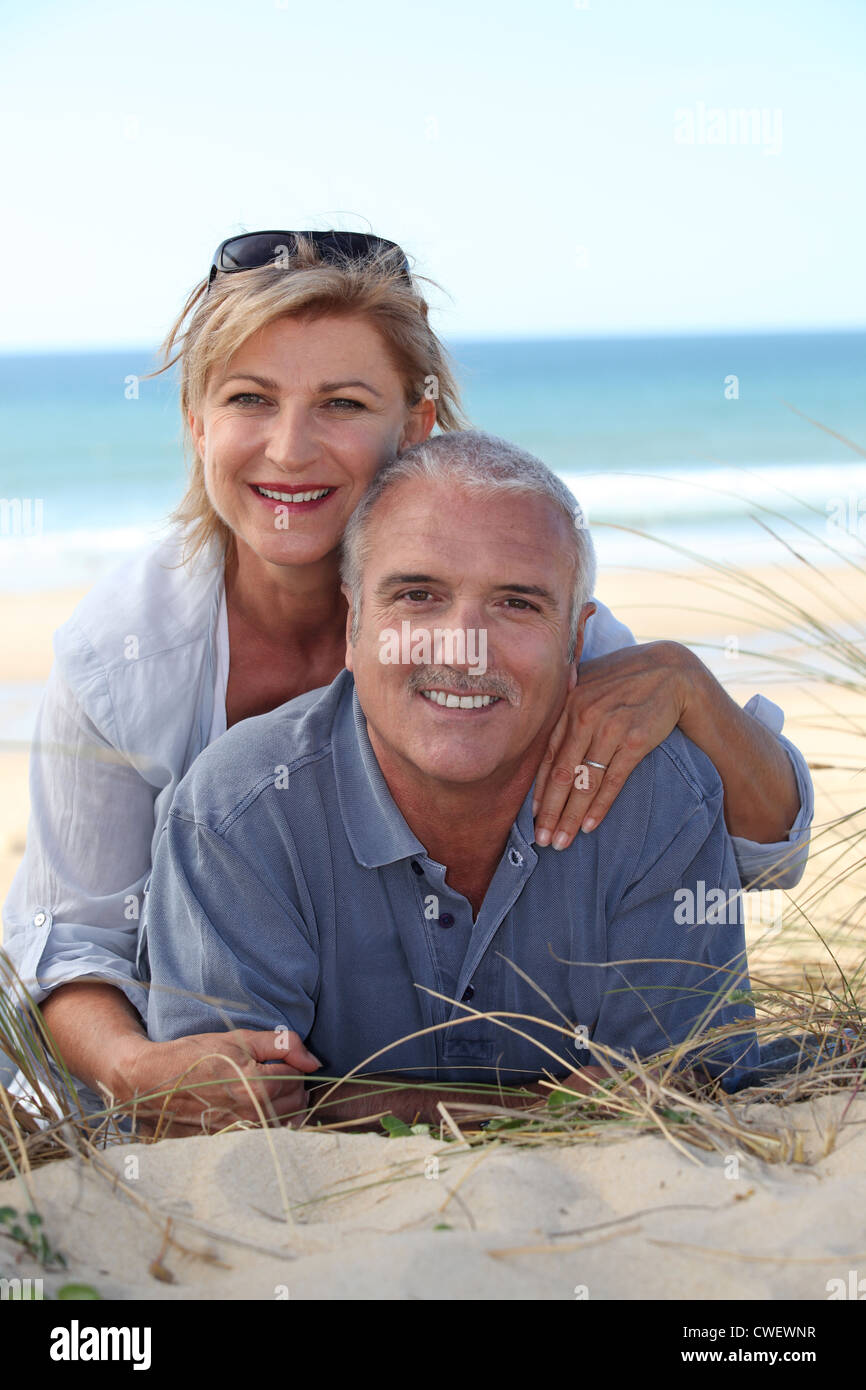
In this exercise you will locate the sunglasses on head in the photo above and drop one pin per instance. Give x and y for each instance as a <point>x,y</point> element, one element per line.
<point>254,249</point>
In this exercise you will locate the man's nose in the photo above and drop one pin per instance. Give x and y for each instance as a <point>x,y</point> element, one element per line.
<point>292,441</point>
<point>466,617</point>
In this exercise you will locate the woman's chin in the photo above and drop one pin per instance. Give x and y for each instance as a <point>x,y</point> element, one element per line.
<point>288,549</point>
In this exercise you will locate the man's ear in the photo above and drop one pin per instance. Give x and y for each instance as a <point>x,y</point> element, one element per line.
<point>347,593</point>
<point>586,612</point>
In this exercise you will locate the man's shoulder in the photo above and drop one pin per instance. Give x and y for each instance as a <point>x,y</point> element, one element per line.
<point>672,785</point>
<point>682,766</point>
<point>261,755</point>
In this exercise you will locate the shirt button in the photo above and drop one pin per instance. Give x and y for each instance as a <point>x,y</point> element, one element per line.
<point>446,920</point>
<point>416,868</point>
<point>467,993</point>
<point>40,919</point>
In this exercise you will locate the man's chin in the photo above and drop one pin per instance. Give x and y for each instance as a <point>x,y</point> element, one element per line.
<point>457,765</point>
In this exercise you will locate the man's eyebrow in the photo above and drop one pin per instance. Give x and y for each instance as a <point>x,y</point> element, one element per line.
<point>389,581</point>
<point>531,591</point>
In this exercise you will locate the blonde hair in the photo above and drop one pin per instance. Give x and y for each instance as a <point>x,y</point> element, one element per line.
<point>214,324</point>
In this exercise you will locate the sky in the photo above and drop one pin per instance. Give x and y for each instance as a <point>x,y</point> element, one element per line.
<point>562,168</point>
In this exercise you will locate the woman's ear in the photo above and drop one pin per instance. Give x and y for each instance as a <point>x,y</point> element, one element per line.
<point>418,427</point>
<point>196,425</point>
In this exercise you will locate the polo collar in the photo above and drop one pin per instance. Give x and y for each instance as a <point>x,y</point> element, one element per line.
<point>375,827</point>
<point>377,832</point>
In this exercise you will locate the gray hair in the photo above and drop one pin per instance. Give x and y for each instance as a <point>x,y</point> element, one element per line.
<point>481,464</point>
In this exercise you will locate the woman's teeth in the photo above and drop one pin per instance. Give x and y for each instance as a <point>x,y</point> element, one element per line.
<point>439,697</point>
<point>292,496</point>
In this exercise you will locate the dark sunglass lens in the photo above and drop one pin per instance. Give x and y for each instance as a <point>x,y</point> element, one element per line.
<point>248,252</point>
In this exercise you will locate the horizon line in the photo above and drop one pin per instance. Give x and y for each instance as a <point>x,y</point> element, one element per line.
<point>619,335</point>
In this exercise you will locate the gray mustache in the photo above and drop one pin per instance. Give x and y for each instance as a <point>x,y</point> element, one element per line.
<point>490,684</point>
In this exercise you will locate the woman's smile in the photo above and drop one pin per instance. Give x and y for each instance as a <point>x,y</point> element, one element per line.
<point>295,499</point>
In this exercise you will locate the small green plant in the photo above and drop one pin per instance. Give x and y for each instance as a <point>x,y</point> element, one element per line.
<point>30,1235</point>
<point>399,1129</point>
<point>78,1292</point>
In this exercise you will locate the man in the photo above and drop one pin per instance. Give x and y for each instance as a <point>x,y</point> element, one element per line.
<point>356,870</point>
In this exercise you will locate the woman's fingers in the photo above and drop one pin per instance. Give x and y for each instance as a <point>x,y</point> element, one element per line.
<point>555,779</point>
<point>548,763</point>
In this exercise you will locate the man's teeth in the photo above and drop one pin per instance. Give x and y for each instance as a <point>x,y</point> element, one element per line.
<point>439,697</point>
<point>292,496</point>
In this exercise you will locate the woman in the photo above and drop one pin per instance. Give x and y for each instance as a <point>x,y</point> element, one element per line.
<point>307,360</point>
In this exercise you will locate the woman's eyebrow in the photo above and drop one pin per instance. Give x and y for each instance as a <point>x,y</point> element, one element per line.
<point>265,381</point>
<point>328,386</point>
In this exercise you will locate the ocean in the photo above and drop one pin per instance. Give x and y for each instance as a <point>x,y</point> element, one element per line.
<point>690,441</point>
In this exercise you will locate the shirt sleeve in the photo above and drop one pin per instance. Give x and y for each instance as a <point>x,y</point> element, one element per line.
<point>224,950</point>
<point>777,865</point>
<point>676,939</point>
<point>73,907</point>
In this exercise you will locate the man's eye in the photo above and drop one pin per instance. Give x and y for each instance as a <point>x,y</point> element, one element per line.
<point>522,603</point>
<point>417,595</point>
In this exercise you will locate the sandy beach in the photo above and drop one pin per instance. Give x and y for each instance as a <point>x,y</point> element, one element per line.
<point>336,1216</point>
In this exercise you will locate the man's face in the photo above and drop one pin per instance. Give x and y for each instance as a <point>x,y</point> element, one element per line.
<point>494,569</point>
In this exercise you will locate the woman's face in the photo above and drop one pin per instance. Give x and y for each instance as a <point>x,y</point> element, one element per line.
<point>304,407</point>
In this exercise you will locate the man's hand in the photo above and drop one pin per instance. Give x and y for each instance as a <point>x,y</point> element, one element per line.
<point>205,1076</point>
<point>623,706</point>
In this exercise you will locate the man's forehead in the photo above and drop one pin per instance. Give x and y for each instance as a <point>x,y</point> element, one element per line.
<point>439,532</point>
<point>438,507</point>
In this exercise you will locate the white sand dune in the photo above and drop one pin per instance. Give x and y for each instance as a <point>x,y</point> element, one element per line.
<point>619,1218</point>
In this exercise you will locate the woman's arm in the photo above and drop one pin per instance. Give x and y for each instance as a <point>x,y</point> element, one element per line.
<point>625,703</point>
<point>72,914</point>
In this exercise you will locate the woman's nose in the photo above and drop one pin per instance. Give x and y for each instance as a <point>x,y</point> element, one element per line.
<point>292,441</point>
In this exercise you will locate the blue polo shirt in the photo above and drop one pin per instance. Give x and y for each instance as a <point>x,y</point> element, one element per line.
<point>287,886</point>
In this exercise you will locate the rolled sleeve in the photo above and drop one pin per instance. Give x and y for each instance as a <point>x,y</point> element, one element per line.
<point>74,905</point>
<point>782,863</point>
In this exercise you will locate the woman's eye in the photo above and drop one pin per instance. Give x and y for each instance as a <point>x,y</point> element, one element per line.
<point>244,398</point>
<point>343,403</point>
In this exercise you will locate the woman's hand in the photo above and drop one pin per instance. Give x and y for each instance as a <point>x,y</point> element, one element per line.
<point>623,706</point>
<point>205,1077</point>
